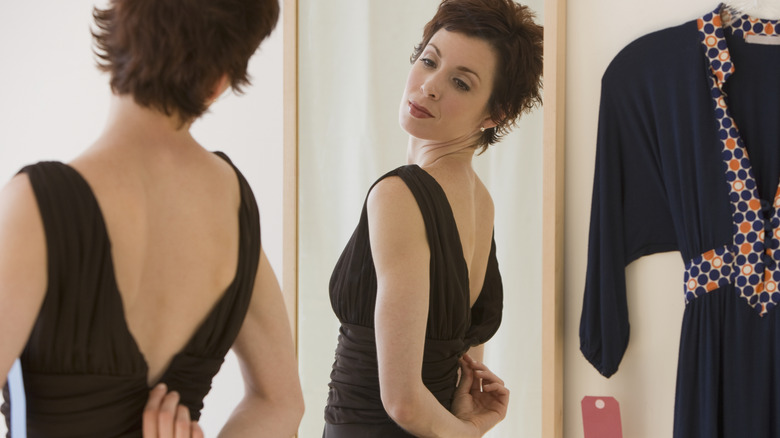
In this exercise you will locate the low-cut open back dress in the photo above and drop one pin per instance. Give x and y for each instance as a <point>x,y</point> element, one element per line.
<point>84,375</point>
<point>354,406</point>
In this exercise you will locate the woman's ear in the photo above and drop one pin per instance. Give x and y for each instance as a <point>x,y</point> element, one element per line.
<point>488,123</point>
<point>222,84</point>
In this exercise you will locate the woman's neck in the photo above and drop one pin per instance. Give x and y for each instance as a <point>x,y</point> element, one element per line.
<point>130,123</point>
<point>426,153</point>
<point>124,110</point>
<point>136,135</point>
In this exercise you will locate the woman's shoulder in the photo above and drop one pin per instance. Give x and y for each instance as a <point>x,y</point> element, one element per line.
<point>49,179</point>
<point>17,197</point>
<point>390,191</point>
<point>483,200</point>
<point>22,258</point>
<point>394,199</point>
<point>391,185</point>
<point>406,186</point>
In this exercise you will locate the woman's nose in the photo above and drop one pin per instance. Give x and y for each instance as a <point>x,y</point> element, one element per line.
<point>430,88</point>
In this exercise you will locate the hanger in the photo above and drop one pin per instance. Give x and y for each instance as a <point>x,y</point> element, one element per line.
<point>766,9</point>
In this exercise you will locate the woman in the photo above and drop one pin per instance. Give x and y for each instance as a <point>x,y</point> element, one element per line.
<point>418,284</point>
<point>138,264</point>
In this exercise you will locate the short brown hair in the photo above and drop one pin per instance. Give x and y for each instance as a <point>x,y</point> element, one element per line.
<point>518,42</point>
<point>169,54</point>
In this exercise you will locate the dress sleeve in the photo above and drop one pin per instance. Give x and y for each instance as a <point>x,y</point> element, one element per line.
<point>630,214</point>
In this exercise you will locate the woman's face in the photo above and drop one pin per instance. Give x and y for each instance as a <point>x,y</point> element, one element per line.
<point>448,88</point>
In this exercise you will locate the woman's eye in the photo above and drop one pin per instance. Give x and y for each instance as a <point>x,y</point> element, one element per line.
<point>428,62</point>
<point>461,85</point>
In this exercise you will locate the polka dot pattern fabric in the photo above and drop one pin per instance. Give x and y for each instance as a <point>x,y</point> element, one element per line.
<point>709,271</point>
<point>752,261</point>
<point>744,25</point>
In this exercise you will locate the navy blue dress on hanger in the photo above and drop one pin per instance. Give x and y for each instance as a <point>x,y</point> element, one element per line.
<point>688,160</point>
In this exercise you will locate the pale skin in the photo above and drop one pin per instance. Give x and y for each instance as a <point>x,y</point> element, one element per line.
<point>443,108</point>
<point>174,254</point>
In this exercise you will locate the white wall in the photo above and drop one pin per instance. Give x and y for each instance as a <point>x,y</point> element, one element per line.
<point>644,385</point>
<point>53,103</point>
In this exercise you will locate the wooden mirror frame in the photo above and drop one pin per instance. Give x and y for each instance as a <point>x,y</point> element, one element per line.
<point>552,204</point>
<point>552,217</point>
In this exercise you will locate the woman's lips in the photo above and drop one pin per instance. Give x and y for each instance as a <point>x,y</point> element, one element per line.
<point>418,111</point>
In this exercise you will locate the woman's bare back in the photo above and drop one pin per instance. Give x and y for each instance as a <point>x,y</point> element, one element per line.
<point>171,212</point>
<point>473,210</point>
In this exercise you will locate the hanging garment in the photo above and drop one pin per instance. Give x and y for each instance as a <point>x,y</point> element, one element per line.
<point>354,405</point>
<point>84,375</point>
<point>688,160</point>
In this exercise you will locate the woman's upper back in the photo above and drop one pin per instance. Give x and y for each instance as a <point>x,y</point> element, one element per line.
<point>138,290</point>
<point>171,219</point>
<point>452,300</point>
<point>473,213</point>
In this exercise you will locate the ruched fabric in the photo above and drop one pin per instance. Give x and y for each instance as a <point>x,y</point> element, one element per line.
<point>354,404</point>
<point>84,375</point>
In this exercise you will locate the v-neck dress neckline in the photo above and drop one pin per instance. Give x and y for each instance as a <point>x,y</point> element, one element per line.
<point>111,273</point>
<point>453,224</point>
<point>752,261</point>
<point>83,372</point>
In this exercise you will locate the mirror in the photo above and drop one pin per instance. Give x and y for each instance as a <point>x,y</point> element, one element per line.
<point>353,60</point>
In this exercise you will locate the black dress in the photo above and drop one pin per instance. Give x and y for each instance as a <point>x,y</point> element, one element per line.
<point>84,375</point>
<point>354,407</point>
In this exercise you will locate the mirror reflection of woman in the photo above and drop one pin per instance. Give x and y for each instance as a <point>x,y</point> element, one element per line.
<point>417,289</point>
<point>128,273</point>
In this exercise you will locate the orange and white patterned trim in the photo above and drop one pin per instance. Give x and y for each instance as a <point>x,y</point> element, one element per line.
<point>751,262</point>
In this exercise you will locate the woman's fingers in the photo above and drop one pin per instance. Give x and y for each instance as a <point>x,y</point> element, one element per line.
<point>485,380</point>
<point>466,378</point>
<point>152,409</point>
<point>481,379</point>
<point>167,414</point>
<point>164,417</point>
<point>487,377</point>
<point>196,431</point>
<point>183,426</point>
<point>489,382</point>
<point>495,387</point>
<point>483,372</point>
<point>500,393</point>
<point>475,366</point>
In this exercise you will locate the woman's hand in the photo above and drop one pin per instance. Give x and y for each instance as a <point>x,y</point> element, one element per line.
<point>481,397</point>
<point>164,417</point>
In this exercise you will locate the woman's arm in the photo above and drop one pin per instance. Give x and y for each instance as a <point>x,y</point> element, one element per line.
<point>477,352</point>
<point>273,402</point>
<point>23,277</point>
<point>401,255</point>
